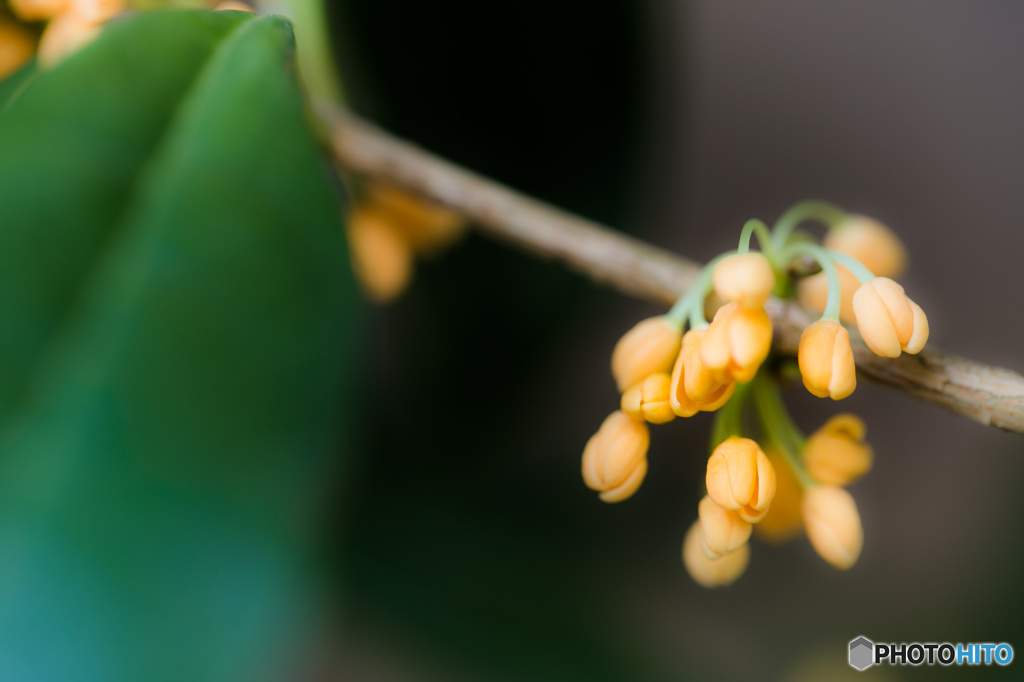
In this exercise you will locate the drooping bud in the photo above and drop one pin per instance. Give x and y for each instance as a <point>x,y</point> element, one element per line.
<point>694,388</point>
<point>745,278</point>
<point>722,530</point>
<point>833,525</point>
<point>700,383</point>
<point>648,400</point>
<point>826,360</point>
<point>869,241</point>
<point>381,258</point>
<point>428,227</point>
<point>615,458</point>
<point>888,320</point>
<point>737,342</point>
<point>740,477</point>
<point>712,572</point>
<point>649,347</point>
<point>836,454</point>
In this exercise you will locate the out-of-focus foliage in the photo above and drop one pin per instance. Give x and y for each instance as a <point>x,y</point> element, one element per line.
<point>12,85</point>
<point>176,320</point>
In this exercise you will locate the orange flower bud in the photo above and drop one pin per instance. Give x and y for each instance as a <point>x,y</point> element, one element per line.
<point>813,293</point>
<point>381,258</point>
<point>751,514</point>
<point>722,530</point>
<point>65,35</point>
<point>826,360</point>
<point>745,278</point>
<point>737,342</point>
<point>699,382</point>
<point>836,454</point>
<point>38,10</point>
<point>648,400</point>
<point>708,393</point>
<point>888,320</point>
<point>784,519</point>
<point>869,241</point>
<point>16,47</point>
<point>833,525</point>
<point>428,227</point>
<point>649,347</point>
<point>615,458</point>
<point>740,477</point>
<point>712,572</point>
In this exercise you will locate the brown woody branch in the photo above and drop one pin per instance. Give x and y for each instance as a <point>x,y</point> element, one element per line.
<point>989,395</point>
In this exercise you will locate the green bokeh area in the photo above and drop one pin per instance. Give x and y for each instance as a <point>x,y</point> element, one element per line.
<point>178,328</point>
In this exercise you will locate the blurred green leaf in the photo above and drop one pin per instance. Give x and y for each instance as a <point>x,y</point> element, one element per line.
<point>177,334</point>
<point>13,84</point>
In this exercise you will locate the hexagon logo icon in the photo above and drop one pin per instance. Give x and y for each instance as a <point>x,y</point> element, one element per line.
<point>862,653</point>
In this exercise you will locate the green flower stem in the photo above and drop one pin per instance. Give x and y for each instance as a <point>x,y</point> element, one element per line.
<point>690,305</point>
<point>721,427</point>
<point>676,316</point>
<point>696,314</point>
<point>701,291</point>
<point>779,427</point>
<point>853,265</point>
<point>764,238</point>
<point>729,418</point>
<point>827,213</point>
<point>825,259</point>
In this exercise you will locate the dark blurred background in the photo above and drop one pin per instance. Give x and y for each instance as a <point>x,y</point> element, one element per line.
<point>469,546</point>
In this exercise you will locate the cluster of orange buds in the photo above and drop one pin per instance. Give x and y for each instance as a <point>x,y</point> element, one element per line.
<point>386,228</point>
<point>678,364</point>
<point>741,487</point>
<point>70,24</point>
<point>664,373</point>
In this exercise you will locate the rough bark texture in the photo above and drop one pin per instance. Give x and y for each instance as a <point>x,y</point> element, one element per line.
<point>989,395</point>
